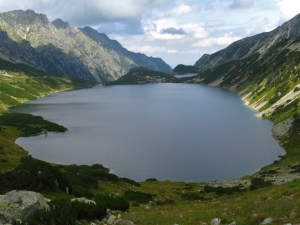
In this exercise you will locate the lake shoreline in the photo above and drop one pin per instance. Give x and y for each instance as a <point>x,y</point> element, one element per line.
<point>194,181</point>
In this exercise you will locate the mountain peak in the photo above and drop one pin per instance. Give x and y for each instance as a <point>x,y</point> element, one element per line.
<point>58,23</point>
<point>26,18</point>
<point>258,43</point>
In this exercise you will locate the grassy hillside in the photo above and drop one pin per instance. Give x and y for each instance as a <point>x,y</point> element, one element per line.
<point>183,69</point>
<point>19,84</point>
<point>270,83</point>
<point>143,75</point>
<point>247,201</point>
<point>267,82</point>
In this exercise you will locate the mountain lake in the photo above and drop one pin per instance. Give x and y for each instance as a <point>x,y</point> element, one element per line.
<point>178,132</point>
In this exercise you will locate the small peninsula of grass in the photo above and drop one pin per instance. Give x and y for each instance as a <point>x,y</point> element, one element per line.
<point>143,75</point>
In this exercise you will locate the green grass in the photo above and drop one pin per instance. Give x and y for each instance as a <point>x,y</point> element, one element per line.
<point>18,85</point>
<point>160,202</point>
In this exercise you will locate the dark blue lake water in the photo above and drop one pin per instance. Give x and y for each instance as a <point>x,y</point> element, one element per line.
<point>180,132</point>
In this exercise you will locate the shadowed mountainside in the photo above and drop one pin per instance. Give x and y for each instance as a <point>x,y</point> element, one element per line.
<point>57,47</point>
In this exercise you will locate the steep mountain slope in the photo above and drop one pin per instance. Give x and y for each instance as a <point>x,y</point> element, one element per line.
<point>58,48</point>
<point>138,58</point>
<point>18,85</point>
<point>268,81</point>
<point>250,45</point>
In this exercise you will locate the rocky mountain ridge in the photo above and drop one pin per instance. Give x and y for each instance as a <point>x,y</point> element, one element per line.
<point>259,43</point>
<point>57,47</point>
<point>268,82</point>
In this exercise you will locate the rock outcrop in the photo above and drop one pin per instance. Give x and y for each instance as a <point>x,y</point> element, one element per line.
<point>19,204</point>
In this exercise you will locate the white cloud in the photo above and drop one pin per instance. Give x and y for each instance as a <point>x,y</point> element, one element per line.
<point>167,28</point>
<point>86,12</point>
<point>180,10</point>
<point>197,30</point>
<point>226,39</point>
<point>151,49</point>
<point>156,30</point>
<point>289,9</point>
<point>270,23</point>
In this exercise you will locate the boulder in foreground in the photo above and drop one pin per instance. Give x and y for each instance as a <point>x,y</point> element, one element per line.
<point>19,204</point>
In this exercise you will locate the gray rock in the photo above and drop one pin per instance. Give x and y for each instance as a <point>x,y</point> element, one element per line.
<point>216,221</point>
<point>124,222</point>
<point>83,199</point>
<point>292,215</point>
<point>19,204</point>
<point>233,223</point>
<point>267,220</point>
<point>111,219</point>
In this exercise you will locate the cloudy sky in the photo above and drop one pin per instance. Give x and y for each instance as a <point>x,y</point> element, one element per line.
<point>178,31</point>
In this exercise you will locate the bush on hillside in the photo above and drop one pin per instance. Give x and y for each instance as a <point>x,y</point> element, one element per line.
<point>113,202</point>
<point>33,175</point>
<point>259,182</point>
<point>65,212</point>
<point>222,190</point>
<point>29,124</point>
<point>138,196</point>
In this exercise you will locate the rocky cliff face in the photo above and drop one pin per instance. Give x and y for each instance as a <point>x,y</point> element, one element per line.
<point>259,43</point>
<point>139,59</point>
<point>58,48</point>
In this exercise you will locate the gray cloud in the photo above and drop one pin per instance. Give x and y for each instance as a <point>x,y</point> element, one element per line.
<point>242,4</point>
<point>124,16</point>
<point>173,31</point>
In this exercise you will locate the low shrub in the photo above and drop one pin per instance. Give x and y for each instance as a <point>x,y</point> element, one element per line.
<point>259,182</point>
<point>113,202</point>
<point>129,181</point>
<point>65,212</point>
<point>222,190</point>
<point>151,179</point>
<point>165,202</point>
<point>138,196</point>
<point>33,175</point>
<point>296,89</point>
<point>192,196</point>
<point>30,124</point>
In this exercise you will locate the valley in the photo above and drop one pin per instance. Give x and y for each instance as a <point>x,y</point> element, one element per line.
<point>262,69</point>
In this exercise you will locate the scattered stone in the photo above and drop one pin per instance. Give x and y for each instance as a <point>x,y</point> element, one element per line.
<point>83,199</point>
<point>111,219</point>
<point>267,220</point>
<point>216,221</point>
<point>124,222</point>
<point>233,223</point>
<point>19,204</point>
<point>292,215</point>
